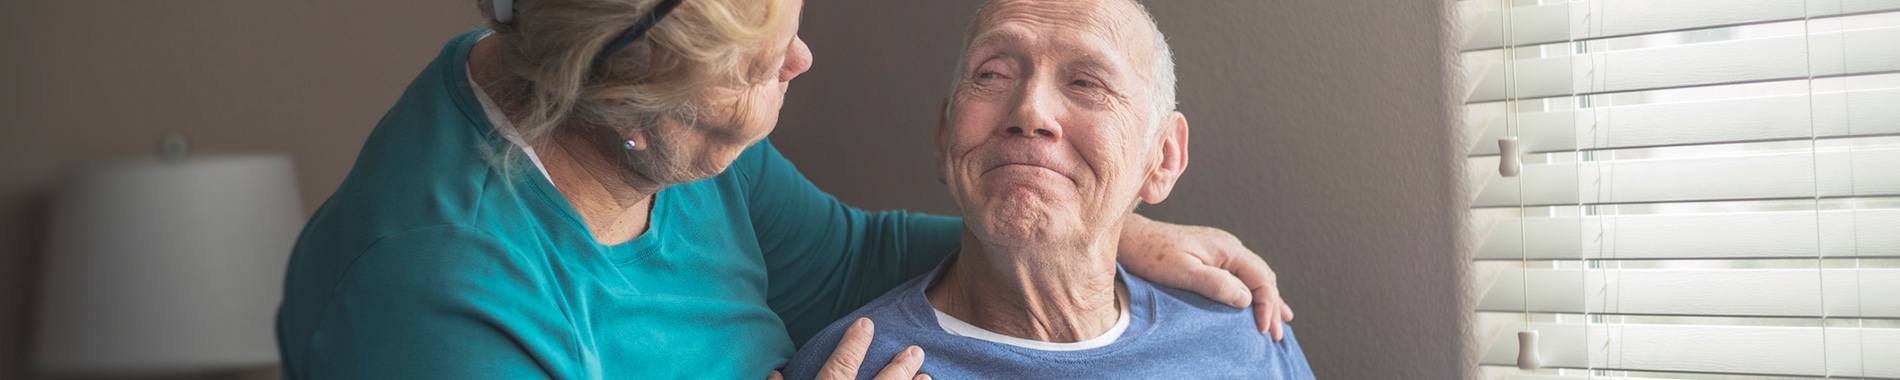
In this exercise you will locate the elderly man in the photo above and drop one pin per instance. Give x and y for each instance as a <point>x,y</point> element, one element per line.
<point>1062,120</point>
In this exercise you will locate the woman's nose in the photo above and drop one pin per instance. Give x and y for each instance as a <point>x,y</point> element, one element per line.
<point>797,60</point>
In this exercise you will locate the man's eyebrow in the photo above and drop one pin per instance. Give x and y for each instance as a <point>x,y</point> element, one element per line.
<point>1086,62</point>
<point>1095,60</point>
<point>1077,57</point>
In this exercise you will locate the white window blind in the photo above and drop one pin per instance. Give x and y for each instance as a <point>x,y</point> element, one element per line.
<point>1709,189</point>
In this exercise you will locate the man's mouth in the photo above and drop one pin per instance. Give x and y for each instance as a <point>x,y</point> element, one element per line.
<point>1018,166</point>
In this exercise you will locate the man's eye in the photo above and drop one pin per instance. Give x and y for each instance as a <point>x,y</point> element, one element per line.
<point>1083,83</point>
<point>988,75</point>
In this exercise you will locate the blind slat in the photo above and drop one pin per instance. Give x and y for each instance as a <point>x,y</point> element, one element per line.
<point>1833,114</point>
<point>1686,118</point>
<point>1786,351</point>
<point>1542,24</point>
<point>1784,234</point>
<point>1854,293</point>
<point>1863,51</point>
<point>1865,172</point>
<point>1530,376</point>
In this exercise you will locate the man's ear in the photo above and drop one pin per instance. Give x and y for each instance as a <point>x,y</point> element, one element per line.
<point>942,113</point>
<point>1173,141</point>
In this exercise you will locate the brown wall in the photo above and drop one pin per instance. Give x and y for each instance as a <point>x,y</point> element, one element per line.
<point>82,81</point>
<point>1322,130</point>
<point>1322,135</point>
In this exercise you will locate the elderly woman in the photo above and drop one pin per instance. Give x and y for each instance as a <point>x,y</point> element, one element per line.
<point>1062,120</point>
<point>583,190</point>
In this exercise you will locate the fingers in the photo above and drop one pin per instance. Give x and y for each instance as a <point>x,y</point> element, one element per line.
<point>1215,283</point>
<point>844,361</point>
<point>904,365</point>
<point>1213,263</point>
<point>1224,287</point>
<point>1268,312</point>
<point>1273,326</point>
<point>1286,313</point>
<point>1263,319</point>
<point>1266,316</point>
<point>1261,284</point>
<point>775,376</point>
<point>1280,312</point>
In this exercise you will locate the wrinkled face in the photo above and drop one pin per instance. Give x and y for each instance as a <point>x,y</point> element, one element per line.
<point>1047,137</point>
<point>732,120</point>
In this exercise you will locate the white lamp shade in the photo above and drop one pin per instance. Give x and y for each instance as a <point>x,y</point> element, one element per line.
<point>160,267</point>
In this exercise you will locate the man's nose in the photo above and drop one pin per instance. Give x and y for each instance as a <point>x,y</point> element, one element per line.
<point>1034,116</point>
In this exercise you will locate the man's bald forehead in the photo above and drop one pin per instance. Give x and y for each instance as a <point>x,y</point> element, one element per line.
<point>1124,19</point>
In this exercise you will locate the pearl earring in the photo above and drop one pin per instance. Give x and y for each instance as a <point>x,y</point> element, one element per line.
<point>631,145</point>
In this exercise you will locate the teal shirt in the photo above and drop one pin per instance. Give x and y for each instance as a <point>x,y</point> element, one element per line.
<point>429,263</point>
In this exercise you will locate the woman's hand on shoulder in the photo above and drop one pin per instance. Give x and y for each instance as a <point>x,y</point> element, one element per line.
<point>849,356</point>
<point>1204,260</point>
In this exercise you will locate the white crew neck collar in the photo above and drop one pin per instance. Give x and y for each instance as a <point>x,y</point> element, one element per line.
<point>958,327</point>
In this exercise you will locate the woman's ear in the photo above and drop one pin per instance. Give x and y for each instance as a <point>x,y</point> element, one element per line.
<point>636,141</point>
<point>1172,142</point>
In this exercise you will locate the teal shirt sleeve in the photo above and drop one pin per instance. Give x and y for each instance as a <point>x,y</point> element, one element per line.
<point>440,303</point>
<point>824,258</point>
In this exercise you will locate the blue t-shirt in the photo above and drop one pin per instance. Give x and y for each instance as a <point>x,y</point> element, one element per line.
<point>1172,334</point>
<point>429,263</point>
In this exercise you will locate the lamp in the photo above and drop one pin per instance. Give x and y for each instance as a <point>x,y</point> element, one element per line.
<point>168,266</point>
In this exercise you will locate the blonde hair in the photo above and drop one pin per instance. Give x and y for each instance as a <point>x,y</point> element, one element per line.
<point>703,50</point>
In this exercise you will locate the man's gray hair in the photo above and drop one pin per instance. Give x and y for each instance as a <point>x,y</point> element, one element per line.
<point>1163,74</point>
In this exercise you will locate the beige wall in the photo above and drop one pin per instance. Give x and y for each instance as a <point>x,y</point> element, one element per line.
<point>1322,136</point>
<point>82,81</point>
<point>1322,130</point>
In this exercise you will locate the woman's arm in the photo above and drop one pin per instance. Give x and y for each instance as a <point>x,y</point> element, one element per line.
<point>436,303</point>
<point>825,259</point>
<point>1204,260</point>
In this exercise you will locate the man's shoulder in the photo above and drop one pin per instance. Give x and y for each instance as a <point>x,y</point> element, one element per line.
<point>1221,336</point>
<point>1178,303</point>
<point>1188,317</point>
<point>894,324</point>
<point>888,314</point>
